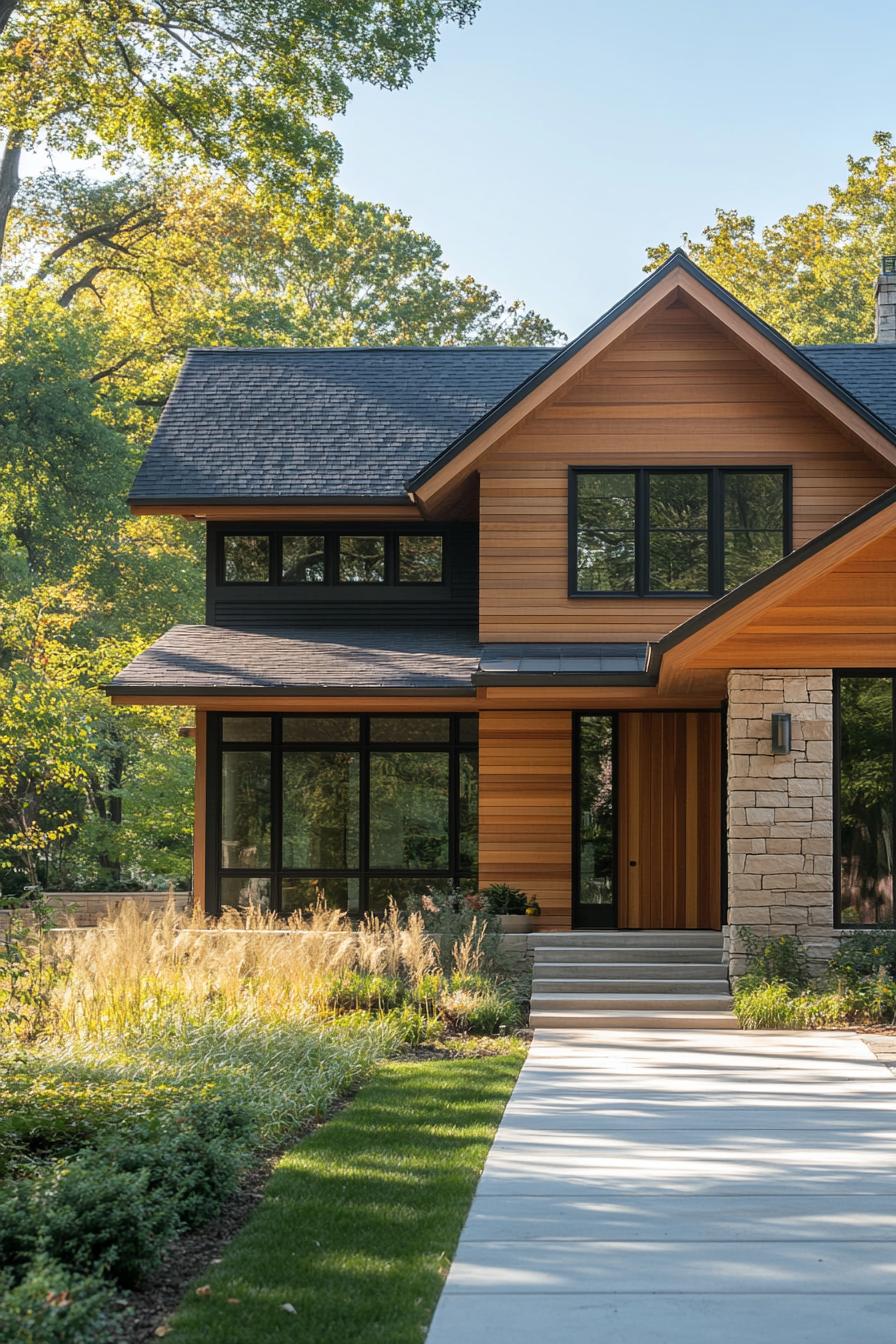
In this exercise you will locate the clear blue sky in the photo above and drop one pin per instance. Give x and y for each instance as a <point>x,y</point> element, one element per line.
<point>553,140</point>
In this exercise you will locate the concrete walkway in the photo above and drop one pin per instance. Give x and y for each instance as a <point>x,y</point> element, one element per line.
<point>672,1187</point>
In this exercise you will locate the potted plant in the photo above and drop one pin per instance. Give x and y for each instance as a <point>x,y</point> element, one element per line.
<point>509,905</point>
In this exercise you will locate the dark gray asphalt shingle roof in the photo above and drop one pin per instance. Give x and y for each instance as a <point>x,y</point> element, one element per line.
<point>319,423</point>
<point>214,658</point>
<point>358,423</point>
<point>867,371</point>
<point>208,657</point>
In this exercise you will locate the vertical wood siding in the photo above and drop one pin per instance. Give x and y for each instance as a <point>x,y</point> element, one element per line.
<point>525,806</point>
<point>669,824</point>
<point>676,392</point>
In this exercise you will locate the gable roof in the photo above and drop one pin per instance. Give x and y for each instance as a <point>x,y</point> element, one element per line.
<point>308,424</point>
<point>677,271</point>
<point>367,424</point>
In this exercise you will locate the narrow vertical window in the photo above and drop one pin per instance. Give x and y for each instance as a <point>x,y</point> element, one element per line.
<point>754,523</point>
<point>678,552</point>
<point>866,799</point>
<point>596,892</point>
<point>605,532</point>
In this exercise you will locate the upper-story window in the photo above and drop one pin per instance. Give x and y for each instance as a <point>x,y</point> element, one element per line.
<point>328,557</point>
<point>687,531</point>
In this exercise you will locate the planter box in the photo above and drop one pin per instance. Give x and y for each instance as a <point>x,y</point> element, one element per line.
<point>515,923</point>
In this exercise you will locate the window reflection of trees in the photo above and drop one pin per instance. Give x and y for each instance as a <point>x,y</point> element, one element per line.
<point>866,799</point>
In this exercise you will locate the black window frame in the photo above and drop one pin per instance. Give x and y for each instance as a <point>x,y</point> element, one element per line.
<point>454,747</point>
<point>715,528</point>
<point>331,534</point>
<point>836,838</point>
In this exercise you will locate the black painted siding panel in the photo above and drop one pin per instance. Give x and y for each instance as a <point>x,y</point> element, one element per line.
<point>454,603</point>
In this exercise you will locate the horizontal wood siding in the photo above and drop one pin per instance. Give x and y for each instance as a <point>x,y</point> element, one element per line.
<point>669,828</point>
<point>525,807</point>
<point>675,392</point>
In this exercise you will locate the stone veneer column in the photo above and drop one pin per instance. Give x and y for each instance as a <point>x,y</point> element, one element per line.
<point>780,810</point>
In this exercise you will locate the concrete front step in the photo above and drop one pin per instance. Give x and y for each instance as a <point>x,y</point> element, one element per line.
<point>643,1002</point>
<point>623,955</point>
<point>542,985</point>
<point>638,938</point>
<point>665,1020</point>
<point>634,971</point>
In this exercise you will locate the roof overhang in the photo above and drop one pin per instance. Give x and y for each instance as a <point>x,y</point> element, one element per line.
<point>707,642</point>
<point>678,278</point>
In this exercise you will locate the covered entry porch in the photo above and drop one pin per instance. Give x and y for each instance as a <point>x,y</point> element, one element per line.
<point>613,818</point>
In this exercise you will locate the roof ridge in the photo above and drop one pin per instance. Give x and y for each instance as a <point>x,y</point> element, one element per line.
<point>368,349</point>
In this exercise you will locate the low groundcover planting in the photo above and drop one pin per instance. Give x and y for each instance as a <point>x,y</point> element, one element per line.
<point>857,988</point>
<point>150,1062</point>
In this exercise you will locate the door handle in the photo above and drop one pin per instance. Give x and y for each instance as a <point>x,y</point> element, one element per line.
<point>633,863</point>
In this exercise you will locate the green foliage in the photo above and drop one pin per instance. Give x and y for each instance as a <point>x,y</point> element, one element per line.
<point>92,1215</point>
<point>858,985</point>
<point>810,274</point>
<point>864,954</point>
<point>25,973</point>
<point>501,899</point>
<point>248,87</point>
<point>361,990</point>
<point>772,961</point>
<point>52,1305</point>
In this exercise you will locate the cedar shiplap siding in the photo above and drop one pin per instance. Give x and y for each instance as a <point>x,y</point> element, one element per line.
<point>676,392</point>
<point>525,807</point>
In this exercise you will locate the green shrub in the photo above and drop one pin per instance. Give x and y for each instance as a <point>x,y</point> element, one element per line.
<point>54,1306</point>
<point>772,961</point>
<point>193,1160</point>
<point>18,1228</point>
<point>96,1217</point>
<point>501,899</point>
<point>863,954</point>
<point>491,1012</point>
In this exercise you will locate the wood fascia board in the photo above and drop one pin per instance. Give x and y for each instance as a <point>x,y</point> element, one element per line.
<point>302,704</point>
<point>263,513</point>
<point>792,372</point>
<point>680,657</point>
<point>429,491</point>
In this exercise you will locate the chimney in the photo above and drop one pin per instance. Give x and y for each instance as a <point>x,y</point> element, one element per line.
<point>885,302</point>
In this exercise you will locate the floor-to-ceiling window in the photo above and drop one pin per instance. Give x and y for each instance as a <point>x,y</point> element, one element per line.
<point>866,792</point>
<point>595,876</point>
<point>351,808</point>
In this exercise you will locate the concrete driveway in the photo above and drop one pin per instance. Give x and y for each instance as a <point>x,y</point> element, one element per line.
<point>666,1187</point>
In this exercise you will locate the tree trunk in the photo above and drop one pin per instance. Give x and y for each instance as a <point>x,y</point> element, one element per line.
<point>9,179</point>
<point>7,8</point>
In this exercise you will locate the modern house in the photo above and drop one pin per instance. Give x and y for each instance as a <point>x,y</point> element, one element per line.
<point>614,623</point>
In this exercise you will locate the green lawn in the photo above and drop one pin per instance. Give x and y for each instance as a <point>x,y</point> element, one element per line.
<point>359,1222</point>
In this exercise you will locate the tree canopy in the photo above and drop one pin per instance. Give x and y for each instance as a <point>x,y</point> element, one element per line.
<point>241,85</point>
<point>810,274</point>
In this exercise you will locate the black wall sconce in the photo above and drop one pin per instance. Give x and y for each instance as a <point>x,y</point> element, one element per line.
<point>781,734</point>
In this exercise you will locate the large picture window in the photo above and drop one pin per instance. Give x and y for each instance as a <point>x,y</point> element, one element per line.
<point>351,809</point>
<point>681,531</point>
<point>866,797</point>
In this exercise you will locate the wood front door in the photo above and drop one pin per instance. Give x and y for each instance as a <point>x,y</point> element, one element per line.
<point>669,781</point>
